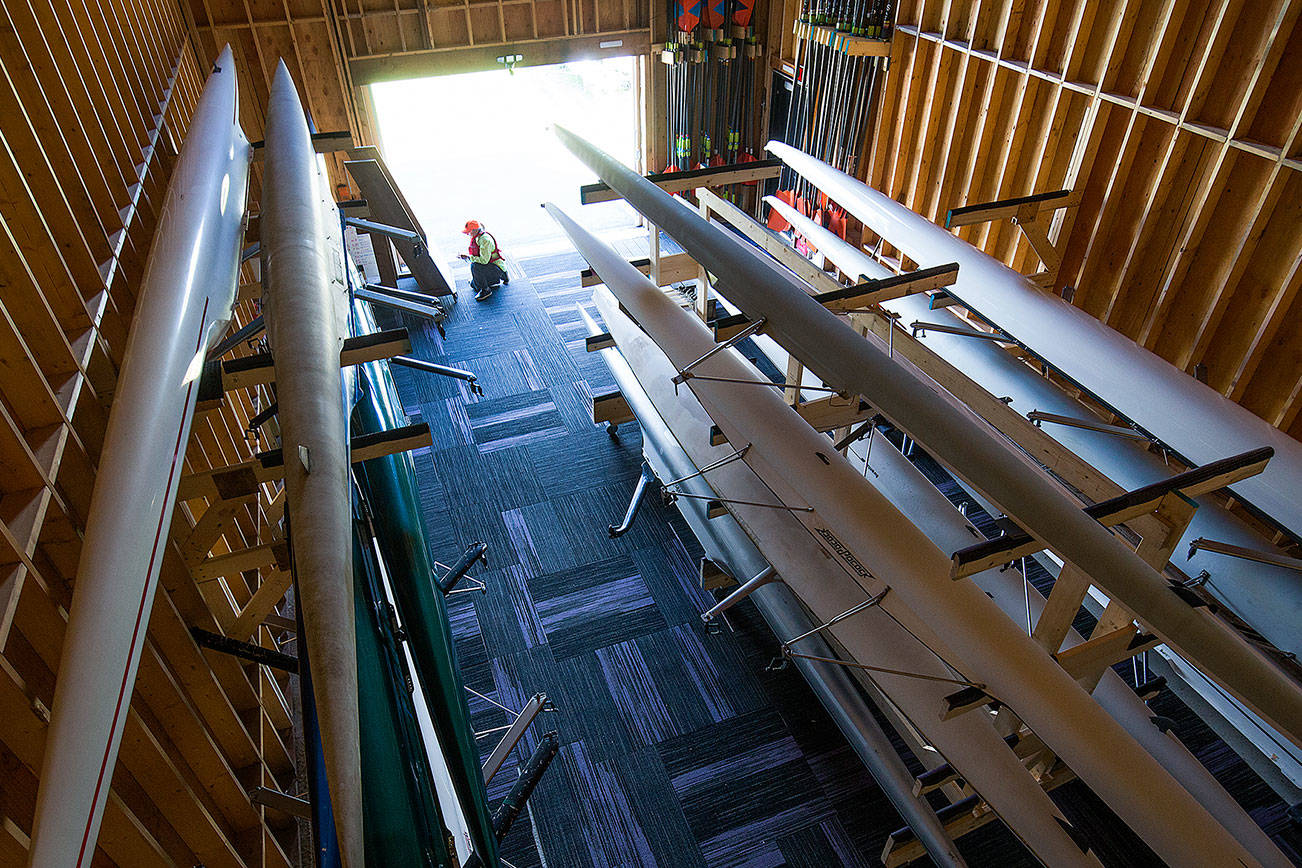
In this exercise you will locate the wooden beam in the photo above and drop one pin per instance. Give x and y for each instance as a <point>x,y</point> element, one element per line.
<point>596,343</point>
<point>211,527</point>
<point>236,562</point>
<point>262,604</point>
<point>846,299</point>
<point>240,480</point>
<point>1007,209</point>
<point>259,369</point>
<point>676,268</point>
<point>833,411</point>
<point>961,818</point>
<point>1088,659</point>
<point>611,408</point>
<point>873,292</point>
<point>772,243</point>
<point>323,143</point>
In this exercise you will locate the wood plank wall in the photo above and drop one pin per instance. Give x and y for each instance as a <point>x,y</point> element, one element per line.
<point>1179,121</point>
<point>332,46</point>
<point>96,96</point>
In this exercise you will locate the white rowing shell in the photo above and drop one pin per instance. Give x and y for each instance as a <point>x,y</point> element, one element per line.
<point>185,302</point>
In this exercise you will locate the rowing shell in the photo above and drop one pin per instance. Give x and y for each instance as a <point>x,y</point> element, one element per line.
<point>1190,417</point>
<point>305,302</point>
<point>185,302</point>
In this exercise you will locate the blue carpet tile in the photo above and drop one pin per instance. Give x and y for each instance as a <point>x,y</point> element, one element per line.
<point>679,747</point>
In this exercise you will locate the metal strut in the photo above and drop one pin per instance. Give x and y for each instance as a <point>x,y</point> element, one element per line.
<point>713,465</point>
<point>853,610</point>
<point>244,650</point>
<point>441,370</point>
<point>514,732</point>
<point>764,577</point>
<point>864,666</point>
<point>1038,417</point>
<point>920,328</point>
<point>688,375</point>
<point>639,492</point>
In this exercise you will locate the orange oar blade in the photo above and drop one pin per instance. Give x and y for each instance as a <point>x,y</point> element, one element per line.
<point>838,223</point>
<point>776,223</point>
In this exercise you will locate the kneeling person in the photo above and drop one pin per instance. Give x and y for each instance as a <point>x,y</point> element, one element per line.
<point>487,266</point>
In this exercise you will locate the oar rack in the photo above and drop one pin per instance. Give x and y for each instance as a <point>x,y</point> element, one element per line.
<point>846,43</point>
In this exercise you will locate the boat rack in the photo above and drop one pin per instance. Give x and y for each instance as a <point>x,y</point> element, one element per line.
<point>1157,514</point>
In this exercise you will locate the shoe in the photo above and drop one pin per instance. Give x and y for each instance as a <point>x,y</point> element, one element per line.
<point>483,294</point>
<point>506,280</point>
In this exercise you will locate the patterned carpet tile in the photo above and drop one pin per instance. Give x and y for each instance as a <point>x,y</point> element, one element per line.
<point>817,846</point>
<point>672,576</point>
<point>500,375</point>
<point>637,696</point>
<point>516,420</point>
<point>612,833</point>
<point>506,614</point>
<point>743,783</point>
<point>594,605</point>
<point>587,460</point>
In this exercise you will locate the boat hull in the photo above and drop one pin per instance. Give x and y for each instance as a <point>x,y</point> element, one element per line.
<point>305,304</point>
<point>185,301</point>
<point>918,499</point>
<point>389,484</point>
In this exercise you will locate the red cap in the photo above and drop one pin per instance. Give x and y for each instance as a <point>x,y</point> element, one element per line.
<point>472,226</point>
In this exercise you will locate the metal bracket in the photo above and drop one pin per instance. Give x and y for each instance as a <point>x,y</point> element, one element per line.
<point>441,370</point>
<point>294,806</point>
<point>1038,417</point>
<point>763,578</point>
<point>430,309</point>
<point>244,650</point>
<point>371,227</point>
<point>639,492</point>
<point>514,733</point>
<point>474,553</point>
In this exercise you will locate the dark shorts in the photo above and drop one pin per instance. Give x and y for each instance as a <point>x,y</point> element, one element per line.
<point>483,275</point>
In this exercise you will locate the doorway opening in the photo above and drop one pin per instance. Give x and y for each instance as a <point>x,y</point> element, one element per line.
<point>479,145</point>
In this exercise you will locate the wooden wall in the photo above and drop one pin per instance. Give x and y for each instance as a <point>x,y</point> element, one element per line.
<point>1179,123</point>
<point>332,47</point>
<point>96,96</point>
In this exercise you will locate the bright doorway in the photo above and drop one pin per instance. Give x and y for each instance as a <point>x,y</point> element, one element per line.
<point>479,145</point>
